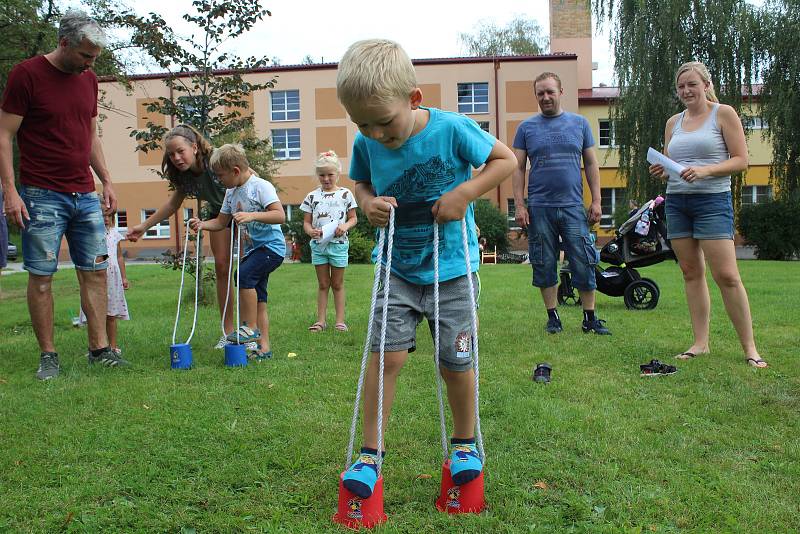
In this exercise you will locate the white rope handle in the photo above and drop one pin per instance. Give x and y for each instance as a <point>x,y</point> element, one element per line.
<point>228,289</point>
<point>382,234</point>
<point>475,361</point>
<point>436,340</point>
<point>196,285</point>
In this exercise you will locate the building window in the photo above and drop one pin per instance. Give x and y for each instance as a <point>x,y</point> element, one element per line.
<point>159,230</point>
<point>612,199</point>
<point>285,105</point>
<point>756,194</point>
<point>286,143</point>
<point>484,125</point>
<point>754,123</point>
<point>121,220</point>
<point>607,137</point>
<point>291,209</point>
<point>512,212</point>
<point>188,213</point>
<point>473,97</point>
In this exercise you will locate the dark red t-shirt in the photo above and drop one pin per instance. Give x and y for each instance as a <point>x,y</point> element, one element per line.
<point>55,137</point>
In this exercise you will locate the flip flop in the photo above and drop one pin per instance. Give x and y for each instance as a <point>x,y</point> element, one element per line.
<point>317,327</point>
<point>686,355</point>
<point>341,327</point>
<point>756,362</point>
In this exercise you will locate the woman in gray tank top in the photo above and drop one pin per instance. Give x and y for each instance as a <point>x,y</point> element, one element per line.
<point>708,139</point>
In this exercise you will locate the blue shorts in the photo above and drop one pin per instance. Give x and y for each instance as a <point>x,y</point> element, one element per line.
<point>699,216</point>
<point>335,254</point>
<point>569,223</point>
<point>54,215</point>
<point>255,269</point>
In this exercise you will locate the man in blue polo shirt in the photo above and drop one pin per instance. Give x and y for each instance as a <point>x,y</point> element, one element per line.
<point>554,142</point>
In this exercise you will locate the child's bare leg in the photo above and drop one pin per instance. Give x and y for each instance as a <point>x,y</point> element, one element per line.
<point>263,326</point>
<point>461,396</point>
<point>393,363</point>
<point>323,285</point>
<point>248,307</point>
<point>111,331</point>
<point>337,284</point>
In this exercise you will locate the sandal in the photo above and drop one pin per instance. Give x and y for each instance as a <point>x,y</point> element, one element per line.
<point>756,362</point>
<point>317,327</point>
<point>542,373</point>
<point>688,355</point>
<point>341,327</point>
<point>656,368</point>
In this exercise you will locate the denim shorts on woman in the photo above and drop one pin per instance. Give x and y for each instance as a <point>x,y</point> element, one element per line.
<point>255,270</point>
<point>699,216</point>
<point>409,303</point>
<point>54,215</point>
<point>546,226</point>
<point>335,254</point>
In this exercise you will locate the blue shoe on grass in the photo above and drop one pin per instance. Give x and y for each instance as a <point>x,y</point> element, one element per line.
<point>245,335</point>
<point>465,463</point>
<point>360,479</point>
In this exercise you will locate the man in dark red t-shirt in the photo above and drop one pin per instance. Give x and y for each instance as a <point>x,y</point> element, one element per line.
<point>50,105</point>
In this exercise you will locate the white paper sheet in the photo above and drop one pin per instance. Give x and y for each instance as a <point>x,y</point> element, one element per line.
<point>654,157</point>
<point>328,232</point>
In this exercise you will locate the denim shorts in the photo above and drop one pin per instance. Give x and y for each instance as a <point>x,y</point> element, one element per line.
<point>546,226</point>
<point>699,216</point>
<point>409,303</point>
<point>255,269</point>
<point>54,215</point>
<point>335,254</point>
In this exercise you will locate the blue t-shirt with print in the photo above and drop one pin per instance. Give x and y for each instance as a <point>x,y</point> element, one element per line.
<point>427,165</point>
<point>255,195</point>
<point>555,146</point>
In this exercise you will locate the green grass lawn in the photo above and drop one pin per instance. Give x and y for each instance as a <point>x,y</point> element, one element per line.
<point>713,448</point>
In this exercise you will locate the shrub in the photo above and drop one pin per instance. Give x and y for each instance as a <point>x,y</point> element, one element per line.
<point>294,228</point>
<point>769,227</point>
<point>360,247</point>
<point>493,224</point>
<point>361,242</point>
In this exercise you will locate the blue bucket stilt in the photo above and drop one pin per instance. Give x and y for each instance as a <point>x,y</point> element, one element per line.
<point>235,355</point>
<point>180,356</point>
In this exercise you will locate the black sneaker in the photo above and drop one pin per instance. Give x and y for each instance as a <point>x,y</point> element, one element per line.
<point>656,368</point>
<point>553,325</point>
<point>48,366</point>
<point>597,326</point>
<point>108,358</point>
<point>542,373</point>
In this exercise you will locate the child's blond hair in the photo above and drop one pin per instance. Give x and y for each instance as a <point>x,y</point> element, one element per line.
<point>377,69</point>
<point>229,156</point>
<point>326,160</point>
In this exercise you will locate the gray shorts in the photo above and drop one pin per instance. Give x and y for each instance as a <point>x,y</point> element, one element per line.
<point>408,303</point>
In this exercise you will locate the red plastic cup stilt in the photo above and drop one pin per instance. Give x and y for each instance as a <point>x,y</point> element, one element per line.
<point>354,512</point>
<point>465,499</point>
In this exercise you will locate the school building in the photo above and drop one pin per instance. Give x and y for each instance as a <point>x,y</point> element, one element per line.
<point>302,117</point>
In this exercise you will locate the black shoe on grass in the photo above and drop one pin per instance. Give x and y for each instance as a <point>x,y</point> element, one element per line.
<point>553,325</point>
<point>48,366</point>
<point>656,368</point>
<point>598,326</point>
<point>108,358</point>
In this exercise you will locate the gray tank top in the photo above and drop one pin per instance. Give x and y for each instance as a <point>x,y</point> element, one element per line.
<point>704,146</point>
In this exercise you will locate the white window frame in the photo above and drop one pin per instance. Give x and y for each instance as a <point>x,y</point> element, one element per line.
<point>280,136</point>
<point>123,229</point>
<point>750,194</point>
<point>611,141</point>
<point>607,220</point>
<point>472,103</point>
<point>188,213</point>
<point>157,231</point>
<point>754,122</point>
<point>485,126</point>
<point>284,107</point>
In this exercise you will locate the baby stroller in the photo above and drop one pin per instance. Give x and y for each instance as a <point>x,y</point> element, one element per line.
<point>640,241</point>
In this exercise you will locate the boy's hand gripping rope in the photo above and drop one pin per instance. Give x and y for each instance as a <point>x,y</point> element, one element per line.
<point>196,285</point>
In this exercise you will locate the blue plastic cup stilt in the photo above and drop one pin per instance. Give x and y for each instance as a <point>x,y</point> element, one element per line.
<point>235,355</point>
<point>180,356</point>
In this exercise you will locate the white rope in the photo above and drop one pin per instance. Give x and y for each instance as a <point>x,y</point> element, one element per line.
<point>436,340</point>
<point>196,285</point>
<point>228,289</point>
<point>367,345</point>
<point>474,320</point>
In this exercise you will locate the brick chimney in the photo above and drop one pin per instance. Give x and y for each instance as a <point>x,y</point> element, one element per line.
<point>571,32</point>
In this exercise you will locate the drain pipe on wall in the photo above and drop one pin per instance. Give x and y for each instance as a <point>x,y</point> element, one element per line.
<point>497,118</point>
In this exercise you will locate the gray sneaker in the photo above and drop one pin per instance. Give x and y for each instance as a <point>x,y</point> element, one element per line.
<point>108,358</point>
<point>48,366</point>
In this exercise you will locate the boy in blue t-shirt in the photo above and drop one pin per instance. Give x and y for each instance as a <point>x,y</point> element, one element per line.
<point>418,161</point>
<point>253,203</point>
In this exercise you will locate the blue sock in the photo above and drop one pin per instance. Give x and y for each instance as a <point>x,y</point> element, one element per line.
<point>360,479</point>
<point>465,462</point>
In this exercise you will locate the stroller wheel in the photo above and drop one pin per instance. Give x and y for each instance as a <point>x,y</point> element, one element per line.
<point>567,294</point>
<point>641,294</point>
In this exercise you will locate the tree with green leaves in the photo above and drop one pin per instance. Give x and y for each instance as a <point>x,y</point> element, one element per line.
<point>520,37</point>
<point>651,39</point>
<point>780,94</point>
